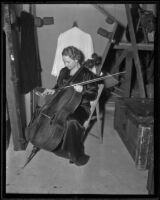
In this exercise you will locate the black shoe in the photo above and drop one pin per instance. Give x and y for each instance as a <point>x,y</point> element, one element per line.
<point>82,160</point>
<point>72,159</point>
<point>71,162</point>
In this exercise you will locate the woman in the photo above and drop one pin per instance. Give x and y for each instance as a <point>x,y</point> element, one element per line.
<point>72,146</point>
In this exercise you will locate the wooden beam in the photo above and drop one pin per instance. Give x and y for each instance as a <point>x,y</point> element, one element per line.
<point>107,48</point>
<point>135,52</point>
<point>39,22</point>
<point>119,60</point>
<point>140,46</point>
<point>106,13</point>
<point>12,92</point>
<point>128,76</point>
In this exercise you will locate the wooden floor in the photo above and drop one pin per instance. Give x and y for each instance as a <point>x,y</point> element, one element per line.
<point>110,169</point>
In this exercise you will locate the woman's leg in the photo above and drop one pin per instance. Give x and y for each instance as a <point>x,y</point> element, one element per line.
<point>72,141</point>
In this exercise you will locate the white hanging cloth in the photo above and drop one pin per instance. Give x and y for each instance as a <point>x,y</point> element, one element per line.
<point>72,37</point>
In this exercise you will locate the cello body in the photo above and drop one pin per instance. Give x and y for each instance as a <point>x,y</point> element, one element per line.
<point>48,126</point>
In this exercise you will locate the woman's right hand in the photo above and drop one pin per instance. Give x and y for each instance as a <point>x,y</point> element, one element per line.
<point>48,91</point>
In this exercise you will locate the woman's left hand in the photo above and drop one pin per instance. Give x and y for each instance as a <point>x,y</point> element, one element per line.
<point>78,88</point>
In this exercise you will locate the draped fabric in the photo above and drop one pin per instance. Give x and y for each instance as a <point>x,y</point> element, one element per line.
<point>28,72</point>
<point>72,141</point>
<point>72,37</point>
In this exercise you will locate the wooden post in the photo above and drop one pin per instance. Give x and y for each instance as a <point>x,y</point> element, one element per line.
<point>128,76</point>
<point>12,93</point>
<point>135,52</point>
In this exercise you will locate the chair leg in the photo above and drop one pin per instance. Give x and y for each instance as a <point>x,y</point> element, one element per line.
<point>99,123</point>
<point>102,123</point>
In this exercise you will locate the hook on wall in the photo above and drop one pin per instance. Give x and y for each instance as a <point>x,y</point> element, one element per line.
<point>75,24</point>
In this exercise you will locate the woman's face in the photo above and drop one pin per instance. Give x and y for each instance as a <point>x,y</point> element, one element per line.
<point>69,62</point>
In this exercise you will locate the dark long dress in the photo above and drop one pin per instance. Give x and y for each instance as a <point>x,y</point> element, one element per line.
<point>71,146</point>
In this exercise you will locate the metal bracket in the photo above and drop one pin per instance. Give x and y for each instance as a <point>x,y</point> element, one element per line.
<point>39,22</point>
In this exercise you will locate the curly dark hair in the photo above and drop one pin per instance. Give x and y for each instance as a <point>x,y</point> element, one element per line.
<point>94,61</point>
<point>73,53</point>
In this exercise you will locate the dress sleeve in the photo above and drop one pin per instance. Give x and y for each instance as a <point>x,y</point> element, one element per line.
<point>90,91</point>
<point>61,78</point>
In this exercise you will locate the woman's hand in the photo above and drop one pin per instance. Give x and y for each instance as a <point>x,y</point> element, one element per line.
<point>48,91</point>
<point>78,88</point>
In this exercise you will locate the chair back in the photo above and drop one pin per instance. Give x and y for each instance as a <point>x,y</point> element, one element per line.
<point>93,105</point>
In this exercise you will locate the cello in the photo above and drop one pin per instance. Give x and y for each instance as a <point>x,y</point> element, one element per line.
<point>47,127</point>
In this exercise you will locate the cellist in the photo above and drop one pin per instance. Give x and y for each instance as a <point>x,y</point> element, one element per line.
<point>71,145</point>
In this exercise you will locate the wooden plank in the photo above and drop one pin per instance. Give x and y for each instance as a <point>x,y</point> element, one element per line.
<point>140,46</point>
<point>106,13</point>
<point>128,76</point>
<point>119,60</point>
<point>12,94</point>
<point>107,48</point>
<point>99,123</point>
<point>135,53</point>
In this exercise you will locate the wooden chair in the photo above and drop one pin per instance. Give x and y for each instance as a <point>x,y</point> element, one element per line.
<point>95,107</point>
<point>110,82</point>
